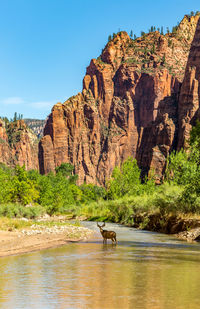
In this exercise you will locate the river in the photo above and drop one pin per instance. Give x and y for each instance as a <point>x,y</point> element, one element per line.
<point>144,270</point>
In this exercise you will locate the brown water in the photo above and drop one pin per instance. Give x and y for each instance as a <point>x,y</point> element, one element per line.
<point>145,270</point>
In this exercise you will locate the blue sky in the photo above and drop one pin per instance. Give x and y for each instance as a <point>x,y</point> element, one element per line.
<point>46,45</point>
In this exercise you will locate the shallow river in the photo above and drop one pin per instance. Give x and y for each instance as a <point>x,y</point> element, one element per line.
<point>145,270</point>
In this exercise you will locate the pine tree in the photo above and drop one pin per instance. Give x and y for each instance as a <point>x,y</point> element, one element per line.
<point>15,117</point>
<point>131,34</point>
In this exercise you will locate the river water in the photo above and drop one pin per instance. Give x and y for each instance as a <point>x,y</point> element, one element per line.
<point>145,270</point>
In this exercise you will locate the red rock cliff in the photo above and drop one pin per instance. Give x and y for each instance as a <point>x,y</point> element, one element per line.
<point>18,145</point>
<point>188,108</point>
<point>128,107</point>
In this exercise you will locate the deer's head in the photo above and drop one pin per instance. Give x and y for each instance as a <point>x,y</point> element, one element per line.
<point>101,226</point>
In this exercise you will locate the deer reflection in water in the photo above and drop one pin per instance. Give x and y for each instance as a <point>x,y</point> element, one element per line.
<point>107,234</point>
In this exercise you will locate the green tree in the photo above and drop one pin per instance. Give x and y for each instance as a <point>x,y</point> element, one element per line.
<point>109,38</point>
<point>6,183</point>
<point>66,170</point>
<point>195,143</point>
<point>180,168</point>
<point>124,180</point>
<point>92,192</point>
<point>23,189</point>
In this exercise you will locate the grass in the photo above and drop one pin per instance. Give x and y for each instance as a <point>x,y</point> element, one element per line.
<point>55,223</point>
<point>165,199</point>
<point>9,224</point>
<point>19,211</point>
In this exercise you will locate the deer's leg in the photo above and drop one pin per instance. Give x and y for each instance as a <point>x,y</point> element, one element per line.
<point>114,239</point>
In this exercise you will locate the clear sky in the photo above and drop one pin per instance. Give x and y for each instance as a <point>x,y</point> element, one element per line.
<point>46,45</point>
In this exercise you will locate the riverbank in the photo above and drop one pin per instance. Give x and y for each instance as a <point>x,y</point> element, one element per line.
<point>183,226</point>
<point>31,236</point>
<point>18,236</point>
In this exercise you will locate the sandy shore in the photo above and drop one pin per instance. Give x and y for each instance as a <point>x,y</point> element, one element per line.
<point>34,239</point>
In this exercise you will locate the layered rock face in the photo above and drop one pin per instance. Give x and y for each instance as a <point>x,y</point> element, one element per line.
<point>18,145</point>
<point>128,107</point>
<point>188,108</point>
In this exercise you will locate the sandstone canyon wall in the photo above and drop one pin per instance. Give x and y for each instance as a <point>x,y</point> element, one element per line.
<point>18,145</point>
<point>129,106</point>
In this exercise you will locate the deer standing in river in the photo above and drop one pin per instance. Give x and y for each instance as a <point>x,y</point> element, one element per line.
<point>107,234</point>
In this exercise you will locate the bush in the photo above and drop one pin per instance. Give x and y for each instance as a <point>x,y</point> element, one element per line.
<point>124,180</point>
<point>19,211</point>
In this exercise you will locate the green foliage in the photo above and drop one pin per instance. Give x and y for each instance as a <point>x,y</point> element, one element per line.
<point>174,29</point>
<point>164,59</point>
<point>92,192</point>
<point>124,180</point>
<point>169,42</point>
<point>164,199</point>
<point>55,193</point>
<point>23,190</point>
<point>180,168</point>
<point>16,117</point>
<point>184,170</point>
<point>18,211</point>
<point>195,143</point>
<point>109,38</point>
<point>66,170</point>
<point>153,49</point>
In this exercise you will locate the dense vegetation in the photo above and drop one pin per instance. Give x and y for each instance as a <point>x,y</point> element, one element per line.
<point>29,194</point>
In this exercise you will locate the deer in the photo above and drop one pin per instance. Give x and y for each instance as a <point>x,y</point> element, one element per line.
<point>107,234</point>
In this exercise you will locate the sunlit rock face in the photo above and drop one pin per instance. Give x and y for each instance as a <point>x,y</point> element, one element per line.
<point>18,145</point>
<point>188,107</point>
<point>129,106</point>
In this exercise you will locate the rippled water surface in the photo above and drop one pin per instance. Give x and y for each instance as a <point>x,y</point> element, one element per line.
<point>145,270</point>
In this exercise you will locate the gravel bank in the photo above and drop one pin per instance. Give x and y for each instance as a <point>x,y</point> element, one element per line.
<point>40,237</point>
